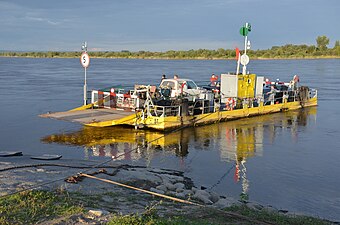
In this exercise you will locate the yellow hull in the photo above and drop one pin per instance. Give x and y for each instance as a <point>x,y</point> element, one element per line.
<point>171,122</point>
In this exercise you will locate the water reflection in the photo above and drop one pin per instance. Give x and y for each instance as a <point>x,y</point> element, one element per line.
<point>245,138</point>
<point>235,141</point>
<point>128,143</point>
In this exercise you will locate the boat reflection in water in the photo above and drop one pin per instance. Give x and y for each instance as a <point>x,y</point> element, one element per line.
<point>234,140</point>
<point>124,143</point>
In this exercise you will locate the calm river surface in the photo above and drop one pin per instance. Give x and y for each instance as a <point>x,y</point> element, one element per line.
<point>287,160</point>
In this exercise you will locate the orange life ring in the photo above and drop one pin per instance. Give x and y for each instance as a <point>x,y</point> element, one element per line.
<point>230,103</point>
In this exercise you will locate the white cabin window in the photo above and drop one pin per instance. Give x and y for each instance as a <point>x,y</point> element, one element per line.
<point>169,84</point>
<point>191,85</point>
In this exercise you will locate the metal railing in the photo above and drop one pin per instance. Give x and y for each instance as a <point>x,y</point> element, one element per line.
<point>119,100</point>
<point>112,100</point>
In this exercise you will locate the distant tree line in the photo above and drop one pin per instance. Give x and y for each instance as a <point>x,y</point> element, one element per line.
<point>320,50</point>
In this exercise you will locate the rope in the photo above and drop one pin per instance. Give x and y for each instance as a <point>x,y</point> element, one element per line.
<point>222,177</point>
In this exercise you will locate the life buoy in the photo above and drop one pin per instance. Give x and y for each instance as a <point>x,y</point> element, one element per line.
<point>230,103</point>
<point>182,86</point>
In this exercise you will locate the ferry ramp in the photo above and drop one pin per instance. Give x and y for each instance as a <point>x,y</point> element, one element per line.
<point>90,116</point>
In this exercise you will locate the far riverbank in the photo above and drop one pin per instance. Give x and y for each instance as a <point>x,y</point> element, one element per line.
<point>169,58</point>
<point>288,51</point>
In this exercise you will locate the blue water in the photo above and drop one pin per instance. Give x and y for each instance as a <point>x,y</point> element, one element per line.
<point>287,160</point>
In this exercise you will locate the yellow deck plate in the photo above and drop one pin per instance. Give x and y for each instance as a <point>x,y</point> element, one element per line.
<point>90,115</point>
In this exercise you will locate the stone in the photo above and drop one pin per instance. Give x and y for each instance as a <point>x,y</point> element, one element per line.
<point>155,170</point>
<point>180,195</point>
<point>174,178</point>
<point>162,187</point>
<point>170,186</point>
<point>172,193</point>
<point>202,192</point>
<point>107,199</point>
<point>214,197</point>
<point>132,175</point>
<point>255,206</point>
<point>179,190</point>
<point>283,211</point>
<point>157,191</point>
<point>202,196</point>
<point>81,220</point>
<point>292,214</point>
<point>179,185</point>
<point>98,212</point>
<point>165,179</point>
<point>270,209</point>
<point>179,179</point>
<point>188,193</point>
<point>223,203</point>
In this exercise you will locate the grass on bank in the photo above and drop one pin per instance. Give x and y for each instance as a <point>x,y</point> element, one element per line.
<point>32,206</point>
<point>153,220</point>
<point>213,217</point>
<point>36,206</point>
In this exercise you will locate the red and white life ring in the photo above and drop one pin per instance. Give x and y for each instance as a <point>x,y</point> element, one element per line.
<point>182,86</point>
<point>230,104</point>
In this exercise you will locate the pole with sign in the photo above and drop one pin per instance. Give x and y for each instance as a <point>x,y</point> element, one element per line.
<point>244,58</point>
<point>85,62</point>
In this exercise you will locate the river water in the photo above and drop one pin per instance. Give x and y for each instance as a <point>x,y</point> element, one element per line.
<point>287,160</point>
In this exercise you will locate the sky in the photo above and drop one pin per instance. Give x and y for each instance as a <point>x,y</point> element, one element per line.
<point>161,25</point>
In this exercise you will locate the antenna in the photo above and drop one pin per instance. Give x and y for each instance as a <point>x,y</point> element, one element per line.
<point>84,47</point>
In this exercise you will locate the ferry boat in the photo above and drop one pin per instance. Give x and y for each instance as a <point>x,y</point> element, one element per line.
<point>180,102</point>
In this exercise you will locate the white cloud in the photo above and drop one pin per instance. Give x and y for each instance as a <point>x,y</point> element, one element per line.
<point>44,20</point>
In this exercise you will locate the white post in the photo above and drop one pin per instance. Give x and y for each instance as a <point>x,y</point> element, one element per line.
<point>245,44</point>
<point>238,64</point>
<point>85,90</point>
<point>85,65</point>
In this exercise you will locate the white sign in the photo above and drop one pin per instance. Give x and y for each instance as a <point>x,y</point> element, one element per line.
<point>85,60</point>
<point>244,59</point>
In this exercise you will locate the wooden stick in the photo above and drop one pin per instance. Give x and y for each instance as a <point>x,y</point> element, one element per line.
<point>142,190</point>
